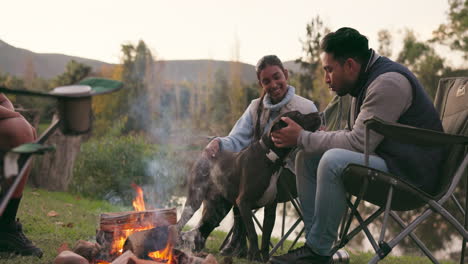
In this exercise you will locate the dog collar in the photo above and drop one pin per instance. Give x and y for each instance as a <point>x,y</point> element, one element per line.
<point>271,155</point>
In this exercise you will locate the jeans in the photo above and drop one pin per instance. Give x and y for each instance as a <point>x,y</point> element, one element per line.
<point>322,194</point>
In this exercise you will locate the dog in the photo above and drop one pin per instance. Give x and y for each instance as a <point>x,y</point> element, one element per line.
<point>245,179</point>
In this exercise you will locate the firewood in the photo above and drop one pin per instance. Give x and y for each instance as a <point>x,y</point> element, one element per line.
<point>68,257</point>
<point>132,220</point>
<point>86,249</point>
<point>143,242</point>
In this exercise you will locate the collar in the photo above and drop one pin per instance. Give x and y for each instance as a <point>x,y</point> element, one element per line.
<point>271,155</point>
<point>275,107</point>
<point>363,75</point>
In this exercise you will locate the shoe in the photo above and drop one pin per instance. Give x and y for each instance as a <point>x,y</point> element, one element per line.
<point>13,240</point>
<point>302,255</point>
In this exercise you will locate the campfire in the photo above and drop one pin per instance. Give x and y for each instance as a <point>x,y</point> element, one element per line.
<point>139,236</point>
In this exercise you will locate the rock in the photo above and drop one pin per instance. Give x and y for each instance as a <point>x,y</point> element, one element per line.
<point>68,257</point>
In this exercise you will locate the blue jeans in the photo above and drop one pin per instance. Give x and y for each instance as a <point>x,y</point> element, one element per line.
<point>322,194</point>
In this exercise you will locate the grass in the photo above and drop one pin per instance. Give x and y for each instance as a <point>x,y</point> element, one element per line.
<point>77,218</point>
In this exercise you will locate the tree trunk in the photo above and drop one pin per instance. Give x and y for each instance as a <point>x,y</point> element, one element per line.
<point>54,170</point>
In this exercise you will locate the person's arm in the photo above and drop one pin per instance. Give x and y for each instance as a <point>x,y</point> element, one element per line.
<point>388,97</point>
<point>240,136</point>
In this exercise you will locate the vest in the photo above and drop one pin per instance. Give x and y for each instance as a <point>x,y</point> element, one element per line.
<point>419,165</point>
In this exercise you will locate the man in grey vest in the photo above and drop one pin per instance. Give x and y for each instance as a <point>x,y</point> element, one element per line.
<point>379,87</point>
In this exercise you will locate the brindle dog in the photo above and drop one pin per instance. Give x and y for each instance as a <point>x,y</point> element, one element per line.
<point>245,179</point>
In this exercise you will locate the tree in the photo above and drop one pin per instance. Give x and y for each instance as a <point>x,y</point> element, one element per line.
<point>311,84</point>
<point>422,59</point>
<point>138,67</point>
<point>236,95</point>
<point>56,169</point>
<point>455,32</point>
<point>385,43</point>
<point>74,73</point>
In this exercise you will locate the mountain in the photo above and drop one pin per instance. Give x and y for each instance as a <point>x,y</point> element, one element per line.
<point>16,61</point>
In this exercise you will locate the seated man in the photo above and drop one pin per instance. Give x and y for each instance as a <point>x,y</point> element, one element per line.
<point>14,131</point>
<point>379,87</point>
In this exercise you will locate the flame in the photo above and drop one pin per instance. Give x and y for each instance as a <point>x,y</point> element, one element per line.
<point>121,235</point>
<point>163,255</point>
<point>138,202</point>
<point>102,262</point>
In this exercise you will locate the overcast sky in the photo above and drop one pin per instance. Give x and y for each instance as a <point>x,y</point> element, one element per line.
<point>203,29</point>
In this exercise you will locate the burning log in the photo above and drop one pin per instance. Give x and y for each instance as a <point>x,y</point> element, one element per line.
<point>137,219</point>
<point>157,239</point>
<point>116,227</point>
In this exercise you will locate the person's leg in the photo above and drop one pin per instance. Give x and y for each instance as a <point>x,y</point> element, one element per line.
<point>14,132</point>
<point>330,200</point>
<point>322,196</point>
<point>306,182</point>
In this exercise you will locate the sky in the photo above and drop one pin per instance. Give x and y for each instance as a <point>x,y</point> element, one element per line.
<point>204,29</point>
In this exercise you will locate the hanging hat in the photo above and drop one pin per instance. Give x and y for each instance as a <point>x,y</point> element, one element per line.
<point>85,88</point>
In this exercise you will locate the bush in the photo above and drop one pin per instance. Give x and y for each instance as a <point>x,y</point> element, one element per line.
<point>107,166</point>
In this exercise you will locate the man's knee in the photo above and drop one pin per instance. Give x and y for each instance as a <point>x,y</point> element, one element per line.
<point>14,132</point>
<point>333,161</point>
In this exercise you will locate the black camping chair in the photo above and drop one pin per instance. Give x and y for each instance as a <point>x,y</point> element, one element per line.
<point>74,105</point>
<point>394,194</point>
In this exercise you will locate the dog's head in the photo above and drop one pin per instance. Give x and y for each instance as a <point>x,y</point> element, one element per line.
<point>309,122</point>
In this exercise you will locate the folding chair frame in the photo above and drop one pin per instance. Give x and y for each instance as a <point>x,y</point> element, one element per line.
<point>383,248</point>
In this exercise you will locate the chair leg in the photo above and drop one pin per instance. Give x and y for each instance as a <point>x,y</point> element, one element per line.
<point>347,237</point>
<point>405,232</point>
<point>416,240</point>
<point>356,204</point>
<point>259,224</point>
<point>297,238</point>
<point>275,248</point>
<point>226,239</point>
<point>343,220</point>
<point>386,214</point>
<point>283,222</point>
<point>463,250</point>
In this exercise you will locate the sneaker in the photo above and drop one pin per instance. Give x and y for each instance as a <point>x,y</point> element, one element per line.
<point>13,240</point>
<point>302,255</point>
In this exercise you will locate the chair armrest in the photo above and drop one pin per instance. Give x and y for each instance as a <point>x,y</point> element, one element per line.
<point>413,135</point>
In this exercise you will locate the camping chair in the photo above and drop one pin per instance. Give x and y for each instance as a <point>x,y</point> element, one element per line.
<point>391,193</point>
<point>74,105</point>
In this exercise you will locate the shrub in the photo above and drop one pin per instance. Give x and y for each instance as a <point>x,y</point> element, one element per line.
<point>107,166</point>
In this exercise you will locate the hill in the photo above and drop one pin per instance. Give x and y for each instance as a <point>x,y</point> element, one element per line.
<point>17,61</point>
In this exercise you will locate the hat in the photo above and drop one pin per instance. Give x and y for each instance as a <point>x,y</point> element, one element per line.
<point>85,88</point>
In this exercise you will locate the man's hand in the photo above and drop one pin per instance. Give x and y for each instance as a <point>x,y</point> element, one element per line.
<point>212,148</point>
<point>287,136</point>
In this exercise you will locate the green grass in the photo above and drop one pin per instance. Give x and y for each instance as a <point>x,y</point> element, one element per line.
<point>78,219</point>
